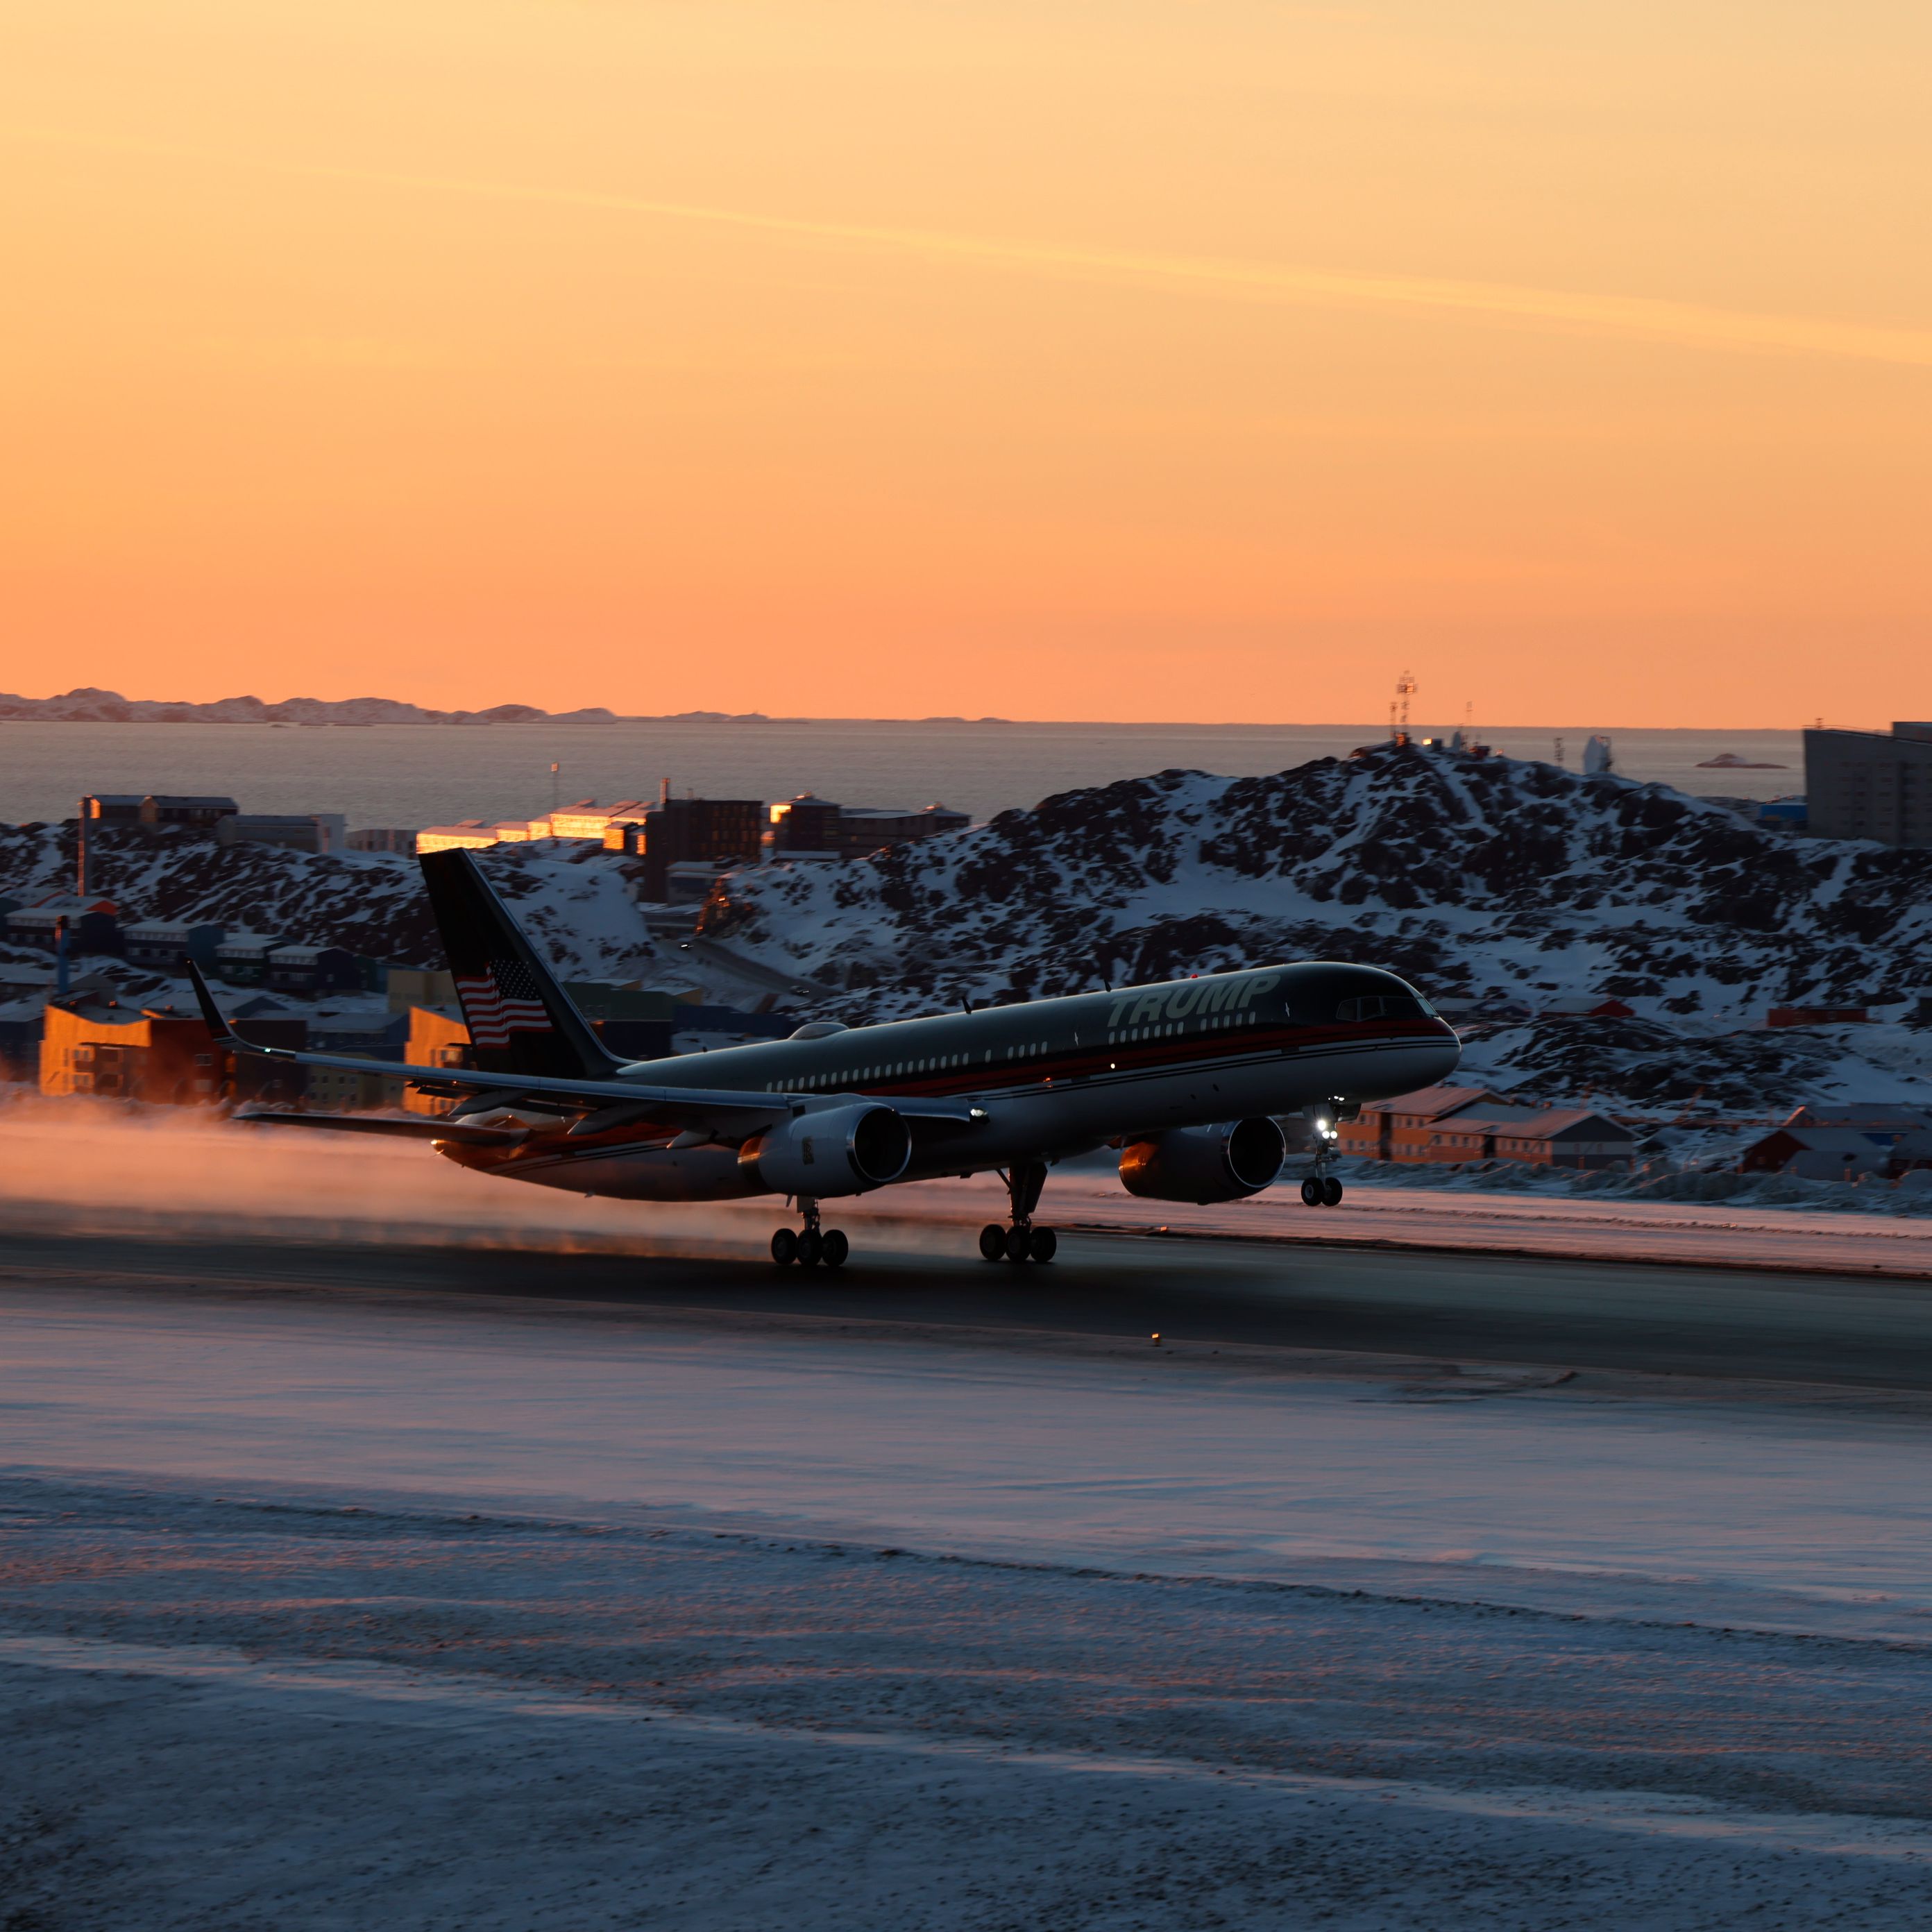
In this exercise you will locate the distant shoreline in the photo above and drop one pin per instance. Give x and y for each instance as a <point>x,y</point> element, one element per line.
<point>147,713</point>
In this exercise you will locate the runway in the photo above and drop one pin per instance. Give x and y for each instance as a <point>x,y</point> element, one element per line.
<point>1723,1324</point>
<point>502,1578</point>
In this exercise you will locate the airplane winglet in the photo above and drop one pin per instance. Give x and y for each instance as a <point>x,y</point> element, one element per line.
<point>218,1027</point>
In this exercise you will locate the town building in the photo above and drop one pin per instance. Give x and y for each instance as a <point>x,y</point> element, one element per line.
<point>1838,1142</point>
<point>382,839</point>
<point>437,1037</point>
<point>809,827</point>
<point>97,1046</point>
<point>1807,1016</point>
<point>1562,1137</point>
<point>201,812</point>
<point>111,808</point>
<point>241,959</point>
<point>586,819</point>
<point>292,831</point>
<point>21,1023</point>
<point>1399,1129</point>
<point>711,834</point>
<point>92,925</point>
<point>1471,1123</point>
<point>308,971</point>
<point>1469,1132</point>
<point>168,944</point>
<point>467,835</point>
<point>364,1035</point>
<point>1910,1153</point>
<point>1867,784</point>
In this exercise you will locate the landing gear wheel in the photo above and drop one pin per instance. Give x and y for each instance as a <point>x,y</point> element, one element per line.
<point>833,1247</point>
<point>810,1248</point>
<point>1045,1242</point>
<point>1331,1193</point>
<point>992,1242</point>
<point>784,1247</point>
<point>1019,1243</point>
<point>1311,1193</point>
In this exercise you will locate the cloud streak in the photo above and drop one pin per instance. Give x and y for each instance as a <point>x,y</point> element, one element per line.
<point>1683,325</point>
<point>1687,324</point>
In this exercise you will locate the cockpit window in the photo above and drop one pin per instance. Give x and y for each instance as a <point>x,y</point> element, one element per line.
<point>1381,1007</point>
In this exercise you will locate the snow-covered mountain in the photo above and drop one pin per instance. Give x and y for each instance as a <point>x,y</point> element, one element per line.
<point>578,902</point>
<point>89,705</point>
<point>1492,879</point>
<point>1512,885</point>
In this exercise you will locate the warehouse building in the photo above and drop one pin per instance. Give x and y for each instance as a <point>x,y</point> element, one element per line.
<point>1869,784</point>
<point>292,831</point>
<point>810,827</point>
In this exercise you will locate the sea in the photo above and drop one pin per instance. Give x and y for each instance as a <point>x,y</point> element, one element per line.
<point>411,776</point>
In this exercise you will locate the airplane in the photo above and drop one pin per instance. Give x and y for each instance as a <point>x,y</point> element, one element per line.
<point>1190,1079</point>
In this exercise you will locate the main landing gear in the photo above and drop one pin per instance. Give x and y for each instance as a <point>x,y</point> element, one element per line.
<point>812,1246</point>
<point>1021,1241</point>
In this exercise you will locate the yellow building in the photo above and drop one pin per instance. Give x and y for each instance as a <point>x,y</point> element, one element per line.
<point>467,834</point>
<point>587,819</point>
<point>127,1053</point>
<point>436,1039</point>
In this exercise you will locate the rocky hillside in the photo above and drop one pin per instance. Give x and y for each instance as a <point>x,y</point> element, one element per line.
<point>579,907</point>
<point>1491,879</point>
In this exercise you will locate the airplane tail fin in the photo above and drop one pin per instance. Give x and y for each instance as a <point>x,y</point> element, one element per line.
<point>521,1020</point>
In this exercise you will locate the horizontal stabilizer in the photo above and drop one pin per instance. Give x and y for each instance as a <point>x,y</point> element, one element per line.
<point>424,1129</point>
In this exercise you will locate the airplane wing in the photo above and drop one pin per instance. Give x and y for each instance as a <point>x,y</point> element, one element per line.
<point>739,1114</point>
<point>423,1127</point>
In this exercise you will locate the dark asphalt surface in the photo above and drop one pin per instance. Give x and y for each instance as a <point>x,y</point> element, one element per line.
<point>1701,1321</point>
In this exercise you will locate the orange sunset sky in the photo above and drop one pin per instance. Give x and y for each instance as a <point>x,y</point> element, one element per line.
<point>1142,360</point>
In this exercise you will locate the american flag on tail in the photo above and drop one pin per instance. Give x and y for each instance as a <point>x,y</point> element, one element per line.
<point>506,1001</point>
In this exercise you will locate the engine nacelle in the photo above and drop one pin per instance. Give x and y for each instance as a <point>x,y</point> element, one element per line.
<point>833,1151</point>
<point>1204,1164</point>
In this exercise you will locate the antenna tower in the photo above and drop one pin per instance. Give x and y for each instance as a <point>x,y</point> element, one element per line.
<point>1405,689</point>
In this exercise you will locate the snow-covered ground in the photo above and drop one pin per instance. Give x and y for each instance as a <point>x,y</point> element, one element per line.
<point>320,1611</point>
<point>316,1614</point>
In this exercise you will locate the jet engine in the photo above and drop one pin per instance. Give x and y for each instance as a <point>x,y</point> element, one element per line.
<point>833,1151</point>
<point>1204,1164</point>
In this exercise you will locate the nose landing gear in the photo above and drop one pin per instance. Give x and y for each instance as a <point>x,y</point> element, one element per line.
<point>812,1246</point>
<point>1022,1241</point>
<point>1321,1190</point>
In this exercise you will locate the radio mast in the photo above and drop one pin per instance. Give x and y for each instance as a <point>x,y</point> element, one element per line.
<point>1405,689</point>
